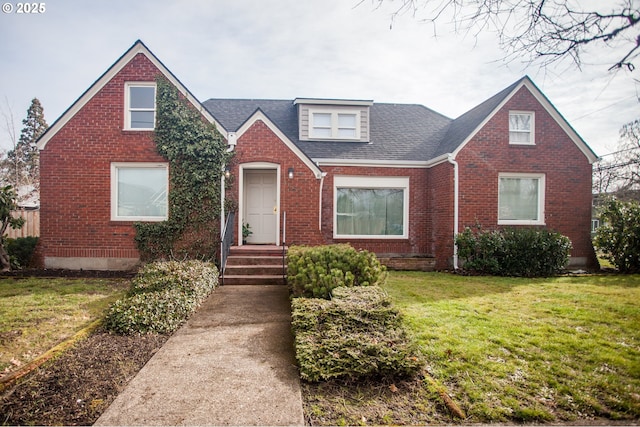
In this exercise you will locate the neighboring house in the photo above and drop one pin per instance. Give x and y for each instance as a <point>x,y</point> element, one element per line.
<point>399,180</point>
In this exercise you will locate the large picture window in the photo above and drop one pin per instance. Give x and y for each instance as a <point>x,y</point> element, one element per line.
<point>139,191</point>
<point>140,100</point>
<point>367,207</point>
<point>521,199</point>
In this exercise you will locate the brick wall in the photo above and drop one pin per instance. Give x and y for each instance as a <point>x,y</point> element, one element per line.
<point>299,197</point>
<point>419,238</point>
<point>75,174</point>
<point>567,174</point>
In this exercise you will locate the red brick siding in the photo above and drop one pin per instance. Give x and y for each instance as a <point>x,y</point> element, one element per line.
<point>418,241</point>
<point>441,195</point>
<point>299,197</point>
<point>75,169</point>
<point>567,173</point>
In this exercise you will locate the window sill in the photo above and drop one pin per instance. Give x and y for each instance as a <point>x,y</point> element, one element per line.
<point>518,222</point>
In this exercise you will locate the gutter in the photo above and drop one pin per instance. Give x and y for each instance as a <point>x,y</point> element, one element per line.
<point>451,160</point>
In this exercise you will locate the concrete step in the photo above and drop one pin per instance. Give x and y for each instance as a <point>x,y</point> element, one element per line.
<point>254,265</point>
<point>256,250</point>
<point>253,270</point>
<point>245,279</point>
<point>254,260</point>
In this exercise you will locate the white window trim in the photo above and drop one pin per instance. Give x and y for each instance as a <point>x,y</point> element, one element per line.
<point>371,182</point>
<point>541,199</point>
<point>532,132</point>
<point>128,110</point>
<point>114,190</point>
<point>334,123</point>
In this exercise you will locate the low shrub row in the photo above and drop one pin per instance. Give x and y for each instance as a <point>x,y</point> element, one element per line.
<point>314,271</point>
<point>355,335</point>
<point>521,252</point>
<point>162,296</point>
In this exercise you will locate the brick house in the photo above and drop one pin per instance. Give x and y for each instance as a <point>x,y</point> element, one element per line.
<point>396,179</point>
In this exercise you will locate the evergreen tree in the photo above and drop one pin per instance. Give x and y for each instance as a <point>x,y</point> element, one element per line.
<point>23,161</point>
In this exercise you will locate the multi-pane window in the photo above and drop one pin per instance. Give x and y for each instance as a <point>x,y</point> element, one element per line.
<point>334,125</point>
<point>140,106</point>
<point>371,207</point>
<point>139,191</point>
<point>521,126</point>
<point>521,199</point>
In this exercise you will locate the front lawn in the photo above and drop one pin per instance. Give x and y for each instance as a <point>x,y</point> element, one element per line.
<point>508,349</point>
<point>555,350</point>
<point>38,313</point>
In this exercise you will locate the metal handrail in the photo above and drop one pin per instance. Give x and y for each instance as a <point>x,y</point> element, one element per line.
<point>284,246</point>
<point>226,241</point>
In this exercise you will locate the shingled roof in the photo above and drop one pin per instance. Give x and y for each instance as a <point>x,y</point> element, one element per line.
<point>398,132</point>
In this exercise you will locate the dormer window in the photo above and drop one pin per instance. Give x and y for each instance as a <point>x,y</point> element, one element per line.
<point>333,119</point>
<point>334,125</point>
<point>521,126</point>
<point>140,106</point>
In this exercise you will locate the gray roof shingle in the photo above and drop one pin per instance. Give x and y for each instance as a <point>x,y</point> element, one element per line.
<point>398,132</point>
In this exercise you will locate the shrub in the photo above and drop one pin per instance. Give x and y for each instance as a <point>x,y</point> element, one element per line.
<point>618,238</point>
<point>162,296</point>
<point>315,271</point>
<point>21,250</point>
<point>355,335</point>
<point>526,252</point>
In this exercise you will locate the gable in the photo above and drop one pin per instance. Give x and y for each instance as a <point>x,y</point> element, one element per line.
<point>138,48</point>
<point>259,116</point>
<point>465,127</point>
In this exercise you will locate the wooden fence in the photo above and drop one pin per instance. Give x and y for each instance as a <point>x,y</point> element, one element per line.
<point>31,225</point>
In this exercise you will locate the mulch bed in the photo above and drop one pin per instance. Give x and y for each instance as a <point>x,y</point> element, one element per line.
<point>78,386</point>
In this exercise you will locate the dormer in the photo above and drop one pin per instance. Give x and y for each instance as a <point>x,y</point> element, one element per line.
<point>333,119</point>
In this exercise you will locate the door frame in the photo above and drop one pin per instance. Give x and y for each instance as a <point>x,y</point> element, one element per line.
<point>241,208</point>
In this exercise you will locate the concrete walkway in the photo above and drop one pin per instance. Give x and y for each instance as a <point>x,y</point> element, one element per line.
<point>232,363</point>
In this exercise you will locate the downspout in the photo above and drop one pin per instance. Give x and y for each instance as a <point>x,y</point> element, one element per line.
<point>232,141</point>
<point>451,160</point>
<point>320,201</point>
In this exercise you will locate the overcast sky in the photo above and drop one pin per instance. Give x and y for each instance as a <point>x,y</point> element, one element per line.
<point>283,49</point>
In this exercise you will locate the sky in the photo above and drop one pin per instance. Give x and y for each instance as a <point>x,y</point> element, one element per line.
<point>283,49</point>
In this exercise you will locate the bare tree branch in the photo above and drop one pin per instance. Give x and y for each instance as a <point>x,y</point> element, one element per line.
<point>545,30</point>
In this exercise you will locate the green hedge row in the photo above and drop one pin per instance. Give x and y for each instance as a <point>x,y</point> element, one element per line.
<point>355,335</point>
<point>522,252</point>
<point>162,296</point>
<point>314,271</point>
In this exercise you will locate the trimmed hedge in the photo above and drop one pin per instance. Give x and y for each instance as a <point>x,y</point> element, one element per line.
<point>315,271</point>
<point>355,335</point>
<point>520,252</point>
<point>21,250</point>
<point>162,296</point>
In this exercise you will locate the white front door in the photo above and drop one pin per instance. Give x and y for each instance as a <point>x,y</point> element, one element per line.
<point>261,205</point>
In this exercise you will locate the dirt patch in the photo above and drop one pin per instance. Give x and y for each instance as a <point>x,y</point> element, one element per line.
<point>78,386</point>
<point>92,274</point>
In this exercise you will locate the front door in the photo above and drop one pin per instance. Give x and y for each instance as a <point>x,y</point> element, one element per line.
<point>261,208</point>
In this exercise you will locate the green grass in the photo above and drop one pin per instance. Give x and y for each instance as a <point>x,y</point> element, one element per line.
<point>530,350</point>
<point>38,313</point>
